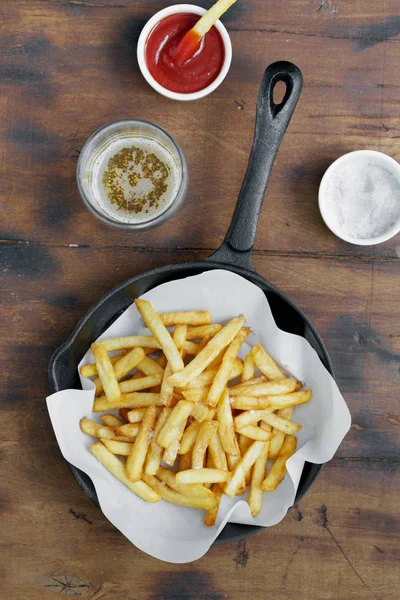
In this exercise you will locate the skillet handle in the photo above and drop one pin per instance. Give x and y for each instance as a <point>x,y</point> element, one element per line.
<point>272,121</point>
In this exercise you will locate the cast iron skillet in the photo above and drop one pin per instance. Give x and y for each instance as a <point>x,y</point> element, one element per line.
<point>234,255</point>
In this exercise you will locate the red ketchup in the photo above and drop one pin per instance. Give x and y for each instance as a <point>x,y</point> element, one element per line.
<point>197,72</point>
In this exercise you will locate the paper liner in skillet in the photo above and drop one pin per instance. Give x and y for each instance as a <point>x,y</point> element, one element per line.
<point>177,534</point>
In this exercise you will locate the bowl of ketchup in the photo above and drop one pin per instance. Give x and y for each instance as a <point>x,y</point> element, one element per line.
<point>160,65</point>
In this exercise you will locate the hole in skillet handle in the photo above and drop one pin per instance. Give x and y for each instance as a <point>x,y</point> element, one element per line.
<point>279,92</point>
<point>272,121</point>
<point>276,104</point>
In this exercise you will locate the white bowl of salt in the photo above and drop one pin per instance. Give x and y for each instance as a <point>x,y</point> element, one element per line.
<point>359,197</point>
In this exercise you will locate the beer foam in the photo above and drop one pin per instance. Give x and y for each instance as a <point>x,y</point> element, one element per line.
<point>149,146</point>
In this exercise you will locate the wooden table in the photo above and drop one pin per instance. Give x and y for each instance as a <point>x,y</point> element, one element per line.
<point>69,66</point>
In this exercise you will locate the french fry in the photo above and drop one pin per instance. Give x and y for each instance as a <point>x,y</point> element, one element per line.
<point>189,44</point>
<point>137,456</point>
<point>290,400</point>
<point>147,350</point>
<point>286,425</point>
<point>162,361</point>
<point>136,415</point>
<point>255,433</point>
<point>166,390</point>
<point>218,359</point>
<point>217,453</point>
<point>192,317</point>
<point>137,375</point>
<point>123,366</point>
<point>148,366</point>
<point>225,425</point>
<point>179,415</point>
<point>192,490</point>
<point>140,383</point>
<point>115,466</point>
<point>179,336</point>
<point>203,331</point>
<point>209,19</point>
<point>121,448</point>
<point>232,463</point>
<point>102,431</point>
<point>212,513</point>
<point>250,417</point>
<point>274,402</point>
<point>276,443</point>
<point>106,372</point>
<point>244,444</point>
<point>130,341</point>
<point>133,400</point>
<point>204,342</point>
<point>202,381</point>
<point>196,394</point>
<point>257,478</point>
<point>189,438</point>
<point>222,377</point>
<point>207,354</point>
<point>278,469</point>
<point>171,453</point>
<point>207,430</point>
<point>96,429</point>
<point>209,464</point>
<point>250,402</point>
<point>249,368</point>
<point>244,384</point>
<point>158,329</point>
<point>284,386</point>
<point>128,430</point>
<point>244,465</point>
<point>211,414</point>
<point>266,363</point>
<point>184,461</point>
<point>174,497</point>
<point>155,451</point>
<point>203,476</point>
<point>266,427</point>
<point>191,348</point>
<point>278,437</point>
<point>91,370</point>
<point>128,362</point>
<point>207,376</point>
<point>111,420</point>
<point>200,412</point>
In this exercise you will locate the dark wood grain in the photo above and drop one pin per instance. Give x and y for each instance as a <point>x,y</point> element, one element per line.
<point>48,66</point>
<point>340,542</point>
<point>69,66</point>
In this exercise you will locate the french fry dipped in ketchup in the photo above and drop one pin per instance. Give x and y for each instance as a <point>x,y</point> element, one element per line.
<point>190,42</point>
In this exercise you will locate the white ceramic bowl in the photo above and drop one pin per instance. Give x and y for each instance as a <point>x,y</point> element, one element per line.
<point>374,157</point>
<point>173,10</point>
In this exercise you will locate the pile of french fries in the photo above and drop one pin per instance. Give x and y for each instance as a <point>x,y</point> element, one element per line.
<point>182,405</point>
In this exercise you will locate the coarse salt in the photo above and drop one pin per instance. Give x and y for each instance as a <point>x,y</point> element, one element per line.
<point>361,198</point>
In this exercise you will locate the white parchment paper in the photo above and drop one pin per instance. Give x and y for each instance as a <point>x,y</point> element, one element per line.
<point>177,534</point>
